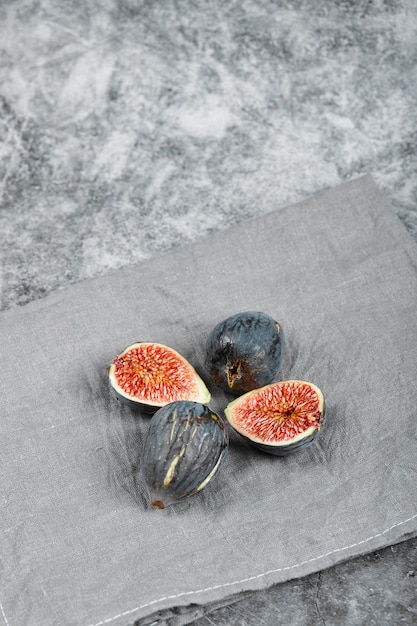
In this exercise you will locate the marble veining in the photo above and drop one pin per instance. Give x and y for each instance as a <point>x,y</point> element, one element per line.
<point>129,127</point>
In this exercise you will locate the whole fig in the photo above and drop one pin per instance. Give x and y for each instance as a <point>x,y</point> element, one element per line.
<point>183,451</point>
<point>244,351</point>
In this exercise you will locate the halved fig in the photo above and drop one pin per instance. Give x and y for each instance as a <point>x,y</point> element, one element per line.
<point>279,418</point>
<point>183,451</point>
<point>244,351</point>
<point>148,375</point>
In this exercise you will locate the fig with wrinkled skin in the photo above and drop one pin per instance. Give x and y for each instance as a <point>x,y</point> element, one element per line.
<point>244,352</point>
<point>183,451</point>
<point>149,375</point>
<point>280,418</point>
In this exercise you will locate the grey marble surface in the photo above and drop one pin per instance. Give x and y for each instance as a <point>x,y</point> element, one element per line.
<point>129,127</point>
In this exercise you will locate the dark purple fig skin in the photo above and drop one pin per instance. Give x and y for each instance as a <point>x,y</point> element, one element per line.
<point>184,448</point>
<point>244,352</point>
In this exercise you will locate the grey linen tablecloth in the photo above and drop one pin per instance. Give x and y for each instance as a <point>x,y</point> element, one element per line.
<point>79,546</point>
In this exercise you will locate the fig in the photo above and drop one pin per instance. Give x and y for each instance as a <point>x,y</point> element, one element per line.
<point>183,450</point>
<point>279,418</point>
<point>244,352</point>
<point>149,375</point>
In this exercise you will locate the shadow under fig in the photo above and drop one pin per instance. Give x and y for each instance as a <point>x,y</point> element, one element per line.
<point>125,430</point>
